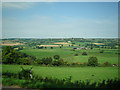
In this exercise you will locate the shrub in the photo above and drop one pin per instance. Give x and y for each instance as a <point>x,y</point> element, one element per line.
<point>51,47</point>
<point>84,53</point>
<point>25,73</point>
<point>101,51</point>
<point>57,57</point>
<point>46,61</point>
<point>76,54</point>
<point>107,64</point>
<point>39,61</point>
<point>92,61</point>
<point>57,62</point>
<point>11,56</point>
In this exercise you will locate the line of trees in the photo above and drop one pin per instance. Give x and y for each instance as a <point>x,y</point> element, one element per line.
<point>11,56</point>
<point>55,61</point>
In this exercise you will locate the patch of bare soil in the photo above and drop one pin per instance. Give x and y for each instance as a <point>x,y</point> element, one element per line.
<point>61,43</point>
<point>11,44</point>
<point>99,43</point>
<point>15,87</point>
<point>49,45</point>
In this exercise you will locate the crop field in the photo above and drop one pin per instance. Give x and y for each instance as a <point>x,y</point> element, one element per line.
<point>77,73</point>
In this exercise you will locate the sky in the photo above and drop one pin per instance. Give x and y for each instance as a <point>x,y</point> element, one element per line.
<point>59,19</point>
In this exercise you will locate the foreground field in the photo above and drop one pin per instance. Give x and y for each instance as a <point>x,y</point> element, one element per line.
<point>77,73</point>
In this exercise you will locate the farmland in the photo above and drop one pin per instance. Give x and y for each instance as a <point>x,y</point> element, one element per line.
<point>70,51</point>
<point>77,73</point>
<point>68,55</point>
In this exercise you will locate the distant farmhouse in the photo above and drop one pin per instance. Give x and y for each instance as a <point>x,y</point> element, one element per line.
<point>81,48</point>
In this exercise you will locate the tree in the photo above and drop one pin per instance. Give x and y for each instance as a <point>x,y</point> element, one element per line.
<point>101,51</point>
<point>46,61</point>
<point>11,56</point>
<point>92,61</point>
<point>25,73</point>
<point>57,62</point>
<point>51,47</point>
<point>76,54</point>
<point>57,57</point>
<point>84,53</point>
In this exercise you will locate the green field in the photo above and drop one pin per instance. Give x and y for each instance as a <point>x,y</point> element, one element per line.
<point>74,66</point>
<point>67,54</point>
<point>77,73</point>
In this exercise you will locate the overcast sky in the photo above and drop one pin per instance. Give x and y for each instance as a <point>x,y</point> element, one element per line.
<point>60,20</point>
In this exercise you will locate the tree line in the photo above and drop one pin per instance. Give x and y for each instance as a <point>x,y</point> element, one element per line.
<point>11,56</point>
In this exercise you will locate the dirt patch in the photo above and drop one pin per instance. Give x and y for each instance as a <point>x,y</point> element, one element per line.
<point>61,43</point>
<point>99,43</point>
<point>11,44</point>
<point>49,45</point>
<point>13,86</point>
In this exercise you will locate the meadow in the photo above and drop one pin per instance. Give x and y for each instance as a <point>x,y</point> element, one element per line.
<point>67,54</point>
<point>77,73</point>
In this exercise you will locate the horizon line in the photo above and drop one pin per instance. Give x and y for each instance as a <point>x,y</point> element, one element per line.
<point>60,38</point>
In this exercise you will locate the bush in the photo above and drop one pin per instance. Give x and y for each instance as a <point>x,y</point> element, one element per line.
<point>51,47</point>
<point>25,73</point>
<point>57,62</point>
<point>39,61</point>
<point>46,61</point>
<point>84,53</point>
<point>107,64</point>
<point>57,57</point>
<point>101,51</point>
<point>11,56</point>
<point>92,61</point>
<point>76,54</point>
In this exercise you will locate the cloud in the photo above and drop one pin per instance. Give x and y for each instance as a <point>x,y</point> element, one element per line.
<point>19,5</point>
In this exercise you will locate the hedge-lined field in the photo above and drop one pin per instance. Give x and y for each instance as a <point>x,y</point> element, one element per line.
<point>67,54</point>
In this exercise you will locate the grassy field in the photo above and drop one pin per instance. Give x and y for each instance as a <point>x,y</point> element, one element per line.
<point>77,73</point>
<point>67,54</point>
<point>94,74</point>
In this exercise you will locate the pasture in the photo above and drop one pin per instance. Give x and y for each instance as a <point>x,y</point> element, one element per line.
<point>78,73</point>
<point>67,54</point>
